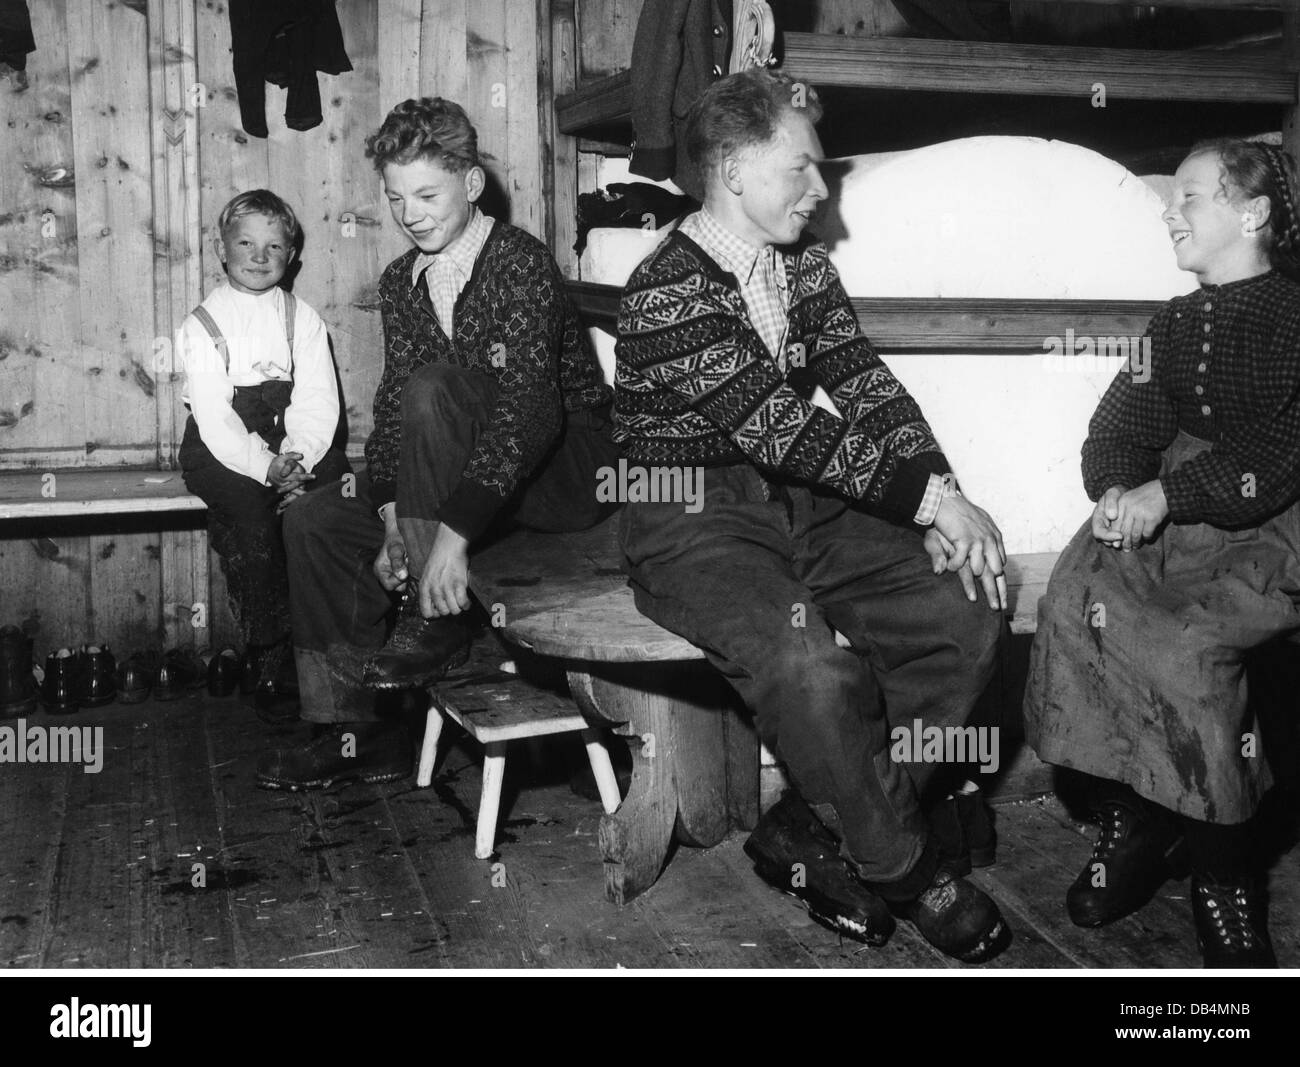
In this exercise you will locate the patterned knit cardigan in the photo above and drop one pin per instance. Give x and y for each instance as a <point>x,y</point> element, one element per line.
<point>513,321</point>
<point>696,386</point>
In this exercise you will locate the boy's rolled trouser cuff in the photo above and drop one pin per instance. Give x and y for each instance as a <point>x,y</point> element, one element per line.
<point>325,697</point>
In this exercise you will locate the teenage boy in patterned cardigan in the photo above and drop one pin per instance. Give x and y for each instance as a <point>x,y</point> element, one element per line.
<point>813,520</point>
<point>491,409</point>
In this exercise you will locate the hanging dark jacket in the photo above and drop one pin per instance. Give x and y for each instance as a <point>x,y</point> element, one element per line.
<point>15,33</point>
<point>285,42</point>
<point>680,49</point>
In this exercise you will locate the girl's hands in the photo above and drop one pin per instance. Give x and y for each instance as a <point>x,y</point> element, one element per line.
<point>1141,511</point>
<point>1125,519</point>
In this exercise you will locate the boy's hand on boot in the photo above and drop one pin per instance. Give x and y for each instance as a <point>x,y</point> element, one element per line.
<point>444,585</point>
<point>390,564</point>
<point>969,540</point>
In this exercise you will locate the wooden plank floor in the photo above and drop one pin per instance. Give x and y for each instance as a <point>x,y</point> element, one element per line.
<point>97,870</point>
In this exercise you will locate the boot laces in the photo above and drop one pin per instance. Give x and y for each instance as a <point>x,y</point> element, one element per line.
<point>1114,824</point>
<point>1229,910</point>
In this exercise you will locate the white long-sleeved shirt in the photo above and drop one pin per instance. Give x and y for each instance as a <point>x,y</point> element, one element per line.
<point>253,326</point>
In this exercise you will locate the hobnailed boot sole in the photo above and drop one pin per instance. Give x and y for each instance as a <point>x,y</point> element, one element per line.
<point>268,782</point>
<point>820,908</point>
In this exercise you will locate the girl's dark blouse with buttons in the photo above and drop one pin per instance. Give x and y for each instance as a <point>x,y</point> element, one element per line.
<point>1224,367</point>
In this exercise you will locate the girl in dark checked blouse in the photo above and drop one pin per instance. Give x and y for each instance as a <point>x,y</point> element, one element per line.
<point>1191,558</point>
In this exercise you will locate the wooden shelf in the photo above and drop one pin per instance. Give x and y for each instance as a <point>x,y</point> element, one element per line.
<point>603,109</point>
<point>1034,70</point>
<point>913,325</point>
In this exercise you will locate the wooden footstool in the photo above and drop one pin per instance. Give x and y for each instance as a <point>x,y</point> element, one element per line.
<point>495,713</point>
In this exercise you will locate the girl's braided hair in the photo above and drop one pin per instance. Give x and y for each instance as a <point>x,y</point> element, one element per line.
<point>1254,168</point>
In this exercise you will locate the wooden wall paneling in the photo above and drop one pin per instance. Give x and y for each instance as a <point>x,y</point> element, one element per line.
<point>400,50</point>
<point>485,98</point>
<point>398,47</point>
<point>523,122</point>
<point>177,224</point>
<point>108,61</point>
<point>183,561</point>
<point>1291,115</point>
<point>558,74</point>
<point>606,29</point>
<point>444,48</point>
<point>108,58</point>
<point>230,161</point>
<point>323,173</point>
<point>47,583</point>
<point>41,372</point>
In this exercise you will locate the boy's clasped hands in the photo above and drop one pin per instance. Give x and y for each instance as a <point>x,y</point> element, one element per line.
<point>1127,518</point>
<point>288,477</point>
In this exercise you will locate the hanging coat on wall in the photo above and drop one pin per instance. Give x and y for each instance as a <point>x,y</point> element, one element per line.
<point>15,34</point>
<point>680,49</point>
<point>285,42</point>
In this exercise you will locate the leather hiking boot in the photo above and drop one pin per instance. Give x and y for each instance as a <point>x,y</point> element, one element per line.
<point>369,751</point>
<point>958,919</point>
<point>136,676</point>
<point>224,670</point>
<point>97,676</point>
<point>1231,924</point>
<point>275,697</point>
<point>977,828</point>
<point>1134,856</point>
<point>61,682</point>
<point>420,650</point>
<point>180,672</point>
<point>17,683</point>
<point>793,852</point>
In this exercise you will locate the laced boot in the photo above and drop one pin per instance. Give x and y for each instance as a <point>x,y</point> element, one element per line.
<point>1231,923</point>
<point>1134,856</point>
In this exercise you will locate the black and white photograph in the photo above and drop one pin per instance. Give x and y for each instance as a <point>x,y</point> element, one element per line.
<point>648,488</point>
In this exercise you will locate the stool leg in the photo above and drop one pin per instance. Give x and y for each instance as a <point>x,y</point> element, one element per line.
<point>429,747</point>
<point>494,773</point>
<point>602,769</point>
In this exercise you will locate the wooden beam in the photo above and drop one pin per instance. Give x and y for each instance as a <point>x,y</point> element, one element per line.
<point>1028,70</point>
<point>607,102</point>
<point>603,109</point>
<point>1216,5</point>
<point>903,326</point>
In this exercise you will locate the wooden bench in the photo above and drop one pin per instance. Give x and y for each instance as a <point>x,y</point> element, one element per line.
<point>695,761</point>
<point>34,494</point>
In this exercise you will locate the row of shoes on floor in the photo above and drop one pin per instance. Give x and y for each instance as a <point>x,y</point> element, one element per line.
<point>91,677</point>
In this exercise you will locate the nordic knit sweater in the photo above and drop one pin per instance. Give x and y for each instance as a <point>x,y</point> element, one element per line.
<point>695,385</point>
<point>514,322</point>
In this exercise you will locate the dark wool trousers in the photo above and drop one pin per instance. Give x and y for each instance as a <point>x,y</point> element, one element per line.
<point>243,526</point>
<point>759,579</point>
<point>333,537</point>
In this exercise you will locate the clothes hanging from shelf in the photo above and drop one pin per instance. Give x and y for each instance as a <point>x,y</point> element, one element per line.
<point>284,42</point>
<point>16,39</point>
<point>681,47</point>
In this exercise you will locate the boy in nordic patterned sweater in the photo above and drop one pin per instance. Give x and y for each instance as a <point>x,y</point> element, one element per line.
<point>490,409</point>
<point>813,521</point>
<point>264,409</point>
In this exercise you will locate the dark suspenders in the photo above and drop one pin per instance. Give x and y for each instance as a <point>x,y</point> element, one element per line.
<point>214,331</point>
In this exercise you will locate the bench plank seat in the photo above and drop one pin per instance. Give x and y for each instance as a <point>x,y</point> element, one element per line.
<point>92,491</point>
<point>566,595</point>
